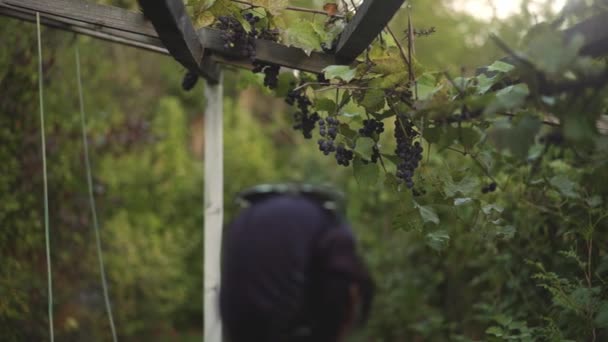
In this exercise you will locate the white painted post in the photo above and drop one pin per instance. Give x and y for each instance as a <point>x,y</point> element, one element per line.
<point>214,208</point>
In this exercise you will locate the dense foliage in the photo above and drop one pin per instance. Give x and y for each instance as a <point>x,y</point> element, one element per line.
<point>478,197</point>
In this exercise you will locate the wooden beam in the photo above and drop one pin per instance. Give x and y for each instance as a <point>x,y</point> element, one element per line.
<point>130,28</point>
<point>176,31</point>
<point>268,52</point>
<point>371,18</point>
<point>81,27</point>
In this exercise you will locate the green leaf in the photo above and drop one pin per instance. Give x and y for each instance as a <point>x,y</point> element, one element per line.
<point>438,240</point>
<point>343,72</point>
<point>346,131</point>
<point>392,80</point>
<point>285,84</point>
<point>495,331</point>
<point>407,220</point>
<point>426,86</point>
<point>484,83</point>
<point>275,7</point>
<point>366,174</point>
<point>325,105</point>
<point>500,66</point>
<point>601,318</point>
<point>488,208</point>
<point>506,232</point>
<point>427,213</point>
<point>466,186</point>
<point>518,138</point>
<point>594,201</point>
<point>364,147</point>
<point>468,137</point>
<point>548,52</point>
<point>565,186</point>
<point>373,100</point>
<point>302,34</point>
<point>462,201</point>
<point>508,98</point>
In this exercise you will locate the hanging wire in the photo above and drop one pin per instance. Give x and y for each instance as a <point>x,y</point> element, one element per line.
<point>87,162</point>
<point>45,182</point>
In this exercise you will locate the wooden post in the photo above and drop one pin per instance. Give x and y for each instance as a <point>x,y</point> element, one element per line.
<point>214,208</point>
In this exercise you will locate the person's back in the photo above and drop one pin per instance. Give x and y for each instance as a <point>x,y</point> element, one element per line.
<point>291,273</point>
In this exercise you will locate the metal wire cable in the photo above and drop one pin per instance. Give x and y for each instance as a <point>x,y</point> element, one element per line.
<point>85,142</point>
<point>45,182</point>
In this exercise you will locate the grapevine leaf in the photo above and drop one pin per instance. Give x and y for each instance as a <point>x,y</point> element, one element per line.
<point>224,7</point>
<point>462,201</point>
<point>325,105</point>
<point>484,83</point>
<point>564,185</point>
<point>468,137</point>
<point>275,7</point>
<point>427,213</point>
<point>407,220</point>
<point>506,232</point>
<point>489,208</point>
<point>286,82</point>
<point>343,72</point>
<point>203,19</point>
<point>303,35</point>
<point>517,139</point>
<point>601,319</point>
<point>365,174</point>
<point>345,98</point>
<point>373,100</point>
<point>594,201</point>
<point>364,147</point>
<point>508,98</point>
<point>495,331</point>
<point>438,240</point>
<point>466,186</point>
<point>426,86</point>
<point>392,80</point>
<point>548,51</point>
<point>500,66</point>
<point>346,131</point>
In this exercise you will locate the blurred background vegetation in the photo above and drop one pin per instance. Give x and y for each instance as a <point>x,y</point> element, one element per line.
<point>146,140</point>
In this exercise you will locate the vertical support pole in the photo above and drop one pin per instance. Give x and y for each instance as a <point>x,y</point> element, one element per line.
<point>214,208</point>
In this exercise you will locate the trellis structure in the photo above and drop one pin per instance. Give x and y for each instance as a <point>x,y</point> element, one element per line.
<point>167,29</point>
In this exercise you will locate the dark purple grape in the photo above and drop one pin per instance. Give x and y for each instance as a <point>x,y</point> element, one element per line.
<point>189,81</point>
<point>408,151</point>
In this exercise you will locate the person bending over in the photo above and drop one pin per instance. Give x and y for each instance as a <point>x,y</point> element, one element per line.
<point>291,272</point>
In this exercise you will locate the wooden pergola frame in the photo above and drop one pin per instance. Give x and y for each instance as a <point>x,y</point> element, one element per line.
<point>167,29</point>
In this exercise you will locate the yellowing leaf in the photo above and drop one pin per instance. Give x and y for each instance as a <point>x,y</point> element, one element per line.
<point>275,7</point>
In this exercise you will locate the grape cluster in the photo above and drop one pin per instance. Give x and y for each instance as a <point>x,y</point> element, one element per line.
<point>489,188</point>
<point>271,73</point>
<point>343,155</point>
<point>304,119</point>
<point>306,122</point>
<point>328,129</point>
<point>370,127</point>
<point>233,34</point>
<point>408,151</point>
